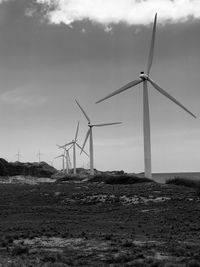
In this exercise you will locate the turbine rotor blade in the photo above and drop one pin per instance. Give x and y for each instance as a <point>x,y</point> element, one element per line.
<point>81,149</point>
<point>88,119</point>
<point>151,52</point>
<point>68,144</point>
<point>76,132</point>
<point>86,138</point>
<point>106,124</point>
<point>58,156</point>
<point>63,147</point>
<point>69,148</point>
<point>125,87</point>
<point>159,89</point>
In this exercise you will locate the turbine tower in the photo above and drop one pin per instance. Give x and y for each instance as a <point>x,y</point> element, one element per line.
<point>144,78</point>
<point>68,160</point>
<point>74,144</point>
<point>89,134</point>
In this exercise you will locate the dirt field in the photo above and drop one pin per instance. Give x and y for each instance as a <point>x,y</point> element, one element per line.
<point>87,224</point>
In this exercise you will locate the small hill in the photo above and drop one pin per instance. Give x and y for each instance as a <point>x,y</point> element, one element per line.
<point>41,169</point>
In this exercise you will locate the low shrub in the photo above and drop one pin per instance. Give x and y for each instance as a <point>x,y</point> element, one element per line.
<point>184,182</point>
<point>19,250</point>
<point>70,178</point>
<point>119,179</point>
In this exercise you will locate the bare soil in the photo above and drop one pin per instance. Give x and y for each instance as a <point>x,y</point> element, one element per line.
<point>84,224</point>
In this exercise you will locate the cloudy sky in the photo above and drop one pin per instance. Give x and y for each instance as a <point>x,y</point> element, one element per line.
<point>53,51</point>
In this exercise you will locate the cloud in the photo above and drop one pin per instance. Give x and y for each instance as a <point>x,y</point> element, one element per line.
<point>108,29</point>
<point>131,12</point>
<point>2,1</point>
<point>22,98</point>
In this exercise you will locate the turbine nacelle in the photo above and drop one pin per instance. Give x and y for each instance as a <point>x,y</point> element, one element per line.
<point>143,76</point>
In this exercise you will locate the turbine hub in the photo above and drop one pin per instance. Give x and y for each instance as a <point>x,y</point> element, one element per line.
<point>143,76</point>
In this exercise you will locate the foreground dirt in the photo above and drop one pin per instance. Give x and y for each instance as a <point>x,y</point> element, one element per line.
<point>99,225</point>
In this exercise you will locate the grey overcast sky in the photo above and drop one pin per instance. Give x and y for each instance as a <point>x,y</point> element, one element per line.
<point>52,52</point>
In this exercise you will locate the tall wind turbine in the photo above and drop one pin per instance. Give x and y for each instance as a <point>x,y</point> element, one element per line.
<point>89,133</point>
<point>144,78</point>
<point>74,144</point>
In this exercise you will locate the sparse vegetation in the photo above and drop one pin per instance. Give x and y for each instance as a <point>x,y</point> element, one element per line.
<point>19,250</point>
<point>184,182</point>
<point>99,224</point>
<point>119,179</point>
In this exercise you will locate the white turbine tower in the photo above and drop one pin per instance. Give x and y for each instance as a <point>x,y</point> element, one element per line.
<point>67,156</point>
<point>89,133</point>
<point>144,78</point>
<point>74,144</point>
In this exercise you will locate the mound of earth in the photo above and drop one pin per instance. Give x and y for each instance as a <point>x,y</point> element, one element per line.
<point>41,169</point>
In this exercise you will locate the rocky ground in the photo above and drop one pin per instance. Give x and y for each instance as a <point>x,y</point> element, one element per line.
<point>84,224</point>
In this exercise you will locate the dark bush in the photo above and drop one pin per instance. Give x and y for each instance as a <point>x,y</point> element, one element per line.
<point>184,182</point>
<point>119,179</point>
<point>19,250</point>
<point>193,263</point>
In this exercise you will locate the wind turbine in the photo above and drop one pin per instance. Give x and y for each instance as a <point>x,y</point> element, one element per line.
<point>39,156</point>
<point>144,78</point>
<point>63,161</point>
<point>67,157</point>
<point>18,156</point>
<point>74,144</point>
<point>89,133</point>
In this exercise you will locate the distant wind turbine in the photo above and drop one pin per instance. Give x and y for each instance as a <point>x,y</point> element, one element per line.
<point>89,133</point>
<point>67,157</point>
<point>39,156</point>
<point>63,161</point>
<point>18,156</point>
<point>74,144</point>
<point>144,78</point>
